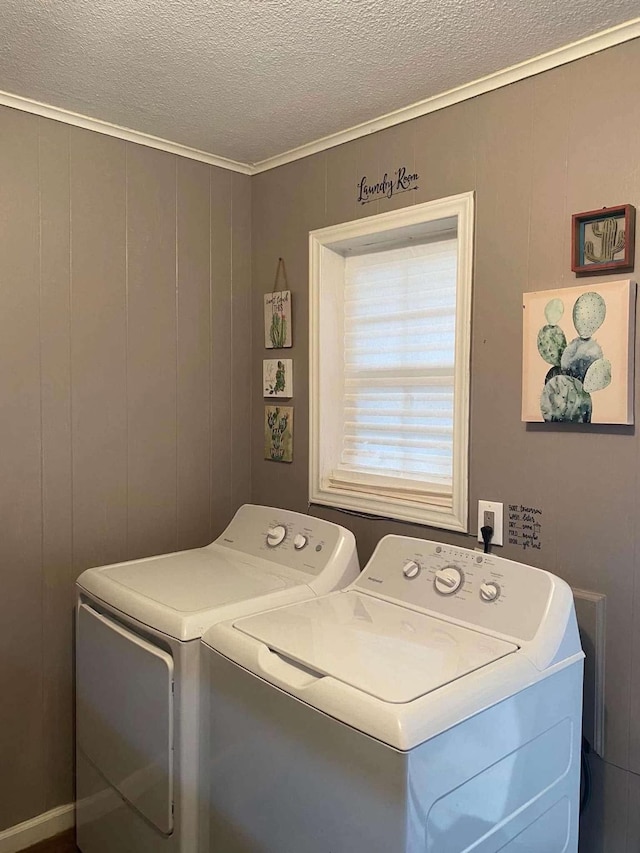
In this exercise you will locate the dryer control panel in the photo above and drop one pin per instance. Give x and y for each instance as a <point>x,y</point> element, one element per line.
<point>285,537</point>
<point>479,589</point>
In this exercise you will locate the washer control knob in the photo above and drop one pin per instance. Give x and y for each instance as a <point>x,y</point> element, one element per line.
<point>489,591</point>
<point>448,580</point>
<point>300,541</point>
<point>275,535</point>
<point>411,569</point>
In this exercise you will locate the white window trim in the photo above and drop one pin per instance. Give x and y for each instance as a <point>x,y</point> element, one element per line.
<point>325,259</point>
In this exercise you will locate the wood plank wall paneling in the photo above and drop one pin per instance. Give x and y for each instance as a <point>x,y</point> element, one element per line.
<point>55,382</point>
<point>21,665</point>
<point>194,340</point>
<point>151,351</point>
<point>222,419</point>
<point>117,301</point>
<point>241,337</point>
<point>98,347</point>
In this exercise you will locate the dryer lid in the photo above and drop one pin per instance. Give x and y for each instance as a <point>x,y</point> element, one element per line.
<point>197,580</point>
<point>385,650</point>
<point>182,594</point>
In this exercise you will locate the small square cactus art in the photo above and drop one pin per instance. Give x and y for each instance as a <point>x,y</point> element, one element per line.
<point>577,364</point>
<point>277,377</point>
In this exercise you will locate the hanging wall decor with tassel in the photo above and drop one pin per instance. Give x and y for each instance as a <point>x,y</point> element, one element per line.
<point>277,313</point>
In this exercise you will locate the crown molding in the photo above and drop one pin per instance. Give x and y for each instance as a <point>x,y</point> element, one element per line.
<point>529,68</point>
<point>27,105</point>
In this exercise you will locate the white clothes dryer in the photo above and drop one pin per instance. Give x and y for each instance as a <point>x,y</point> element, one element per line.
<point>137,666</point>
<point>433,706</point>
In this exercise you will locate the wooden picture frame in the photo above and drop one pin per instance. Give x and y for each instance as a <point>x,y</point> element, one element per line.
<point>603,240</point>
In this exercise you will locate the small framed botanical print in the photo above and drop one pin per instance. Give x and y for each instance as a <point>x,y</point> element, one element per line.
<point>277,377</point>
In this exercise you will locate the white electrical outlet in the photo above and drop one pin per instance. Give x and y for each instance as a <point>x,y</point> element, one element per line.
<point>496,509</point>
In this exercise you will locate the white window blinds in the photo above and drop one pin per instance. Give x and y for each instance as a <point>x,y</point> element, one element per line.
<point>390,339</point>
<point>399,348</point>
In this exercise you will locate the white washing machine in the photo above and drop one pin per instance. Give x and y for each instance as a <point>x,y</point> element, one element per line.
<point>137,666</point>
<point>433,706</point>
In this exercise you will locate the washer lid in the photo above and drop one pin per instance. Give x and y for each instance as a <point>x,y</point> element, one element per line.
<point>383,649</point>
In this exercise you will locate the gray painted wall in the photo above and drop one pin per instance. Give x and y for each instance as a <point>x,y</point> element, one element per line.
<point>124,407</point>
<point>534,152</point>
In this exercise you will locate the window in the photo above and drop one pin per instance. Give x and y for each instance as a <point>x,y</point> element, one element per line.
<point>390,338</point>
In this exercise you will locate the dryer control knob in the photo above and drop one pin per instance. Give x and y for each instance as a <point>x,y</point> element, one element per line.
<point>300,542</point>
<point>489,591</point>
<point>275,535</point>
<point>448,580</point>
<point>411,569</point>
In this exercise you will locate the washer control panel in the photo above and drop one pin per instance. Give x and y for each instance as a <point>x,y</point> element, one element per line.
<point>480,589</point>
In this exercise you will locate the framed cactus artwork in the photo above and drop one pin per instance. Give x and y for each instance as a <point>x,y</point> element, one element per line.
<point>578,345</point>
<point>277,319</point>
<point>603,240</point>
<point>278,433</point>
<point>277,377</point>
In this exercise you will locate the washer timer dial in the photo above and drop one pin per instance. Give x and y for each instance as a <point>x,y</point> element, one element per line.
<point>447,581</point>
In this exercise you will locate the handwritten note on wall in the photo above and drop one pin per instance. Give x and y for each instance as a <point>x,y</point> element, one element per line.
<point>525,526</point>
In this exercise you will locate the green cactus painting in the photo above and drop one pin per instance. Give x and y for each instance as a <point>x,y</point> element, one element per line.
<point>575,371</point>
<point>278,433</point>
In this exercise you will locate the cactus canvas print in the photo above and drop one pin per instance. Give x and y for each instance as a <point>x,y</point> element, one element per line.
<point>277,319</point>
<point>278,433</point>
<point>577,364</point>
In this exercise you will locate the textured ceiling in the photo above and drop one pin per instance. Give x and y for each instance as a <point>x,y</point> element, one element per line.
<point>250,79</point>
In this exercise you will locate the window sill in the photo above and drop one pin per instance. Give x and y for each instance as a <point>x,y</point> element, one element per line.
<point>397,509</point>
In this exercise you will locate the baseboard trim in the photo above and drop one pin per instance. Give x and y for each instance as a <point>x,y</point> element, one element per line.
<point>39,828</point>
